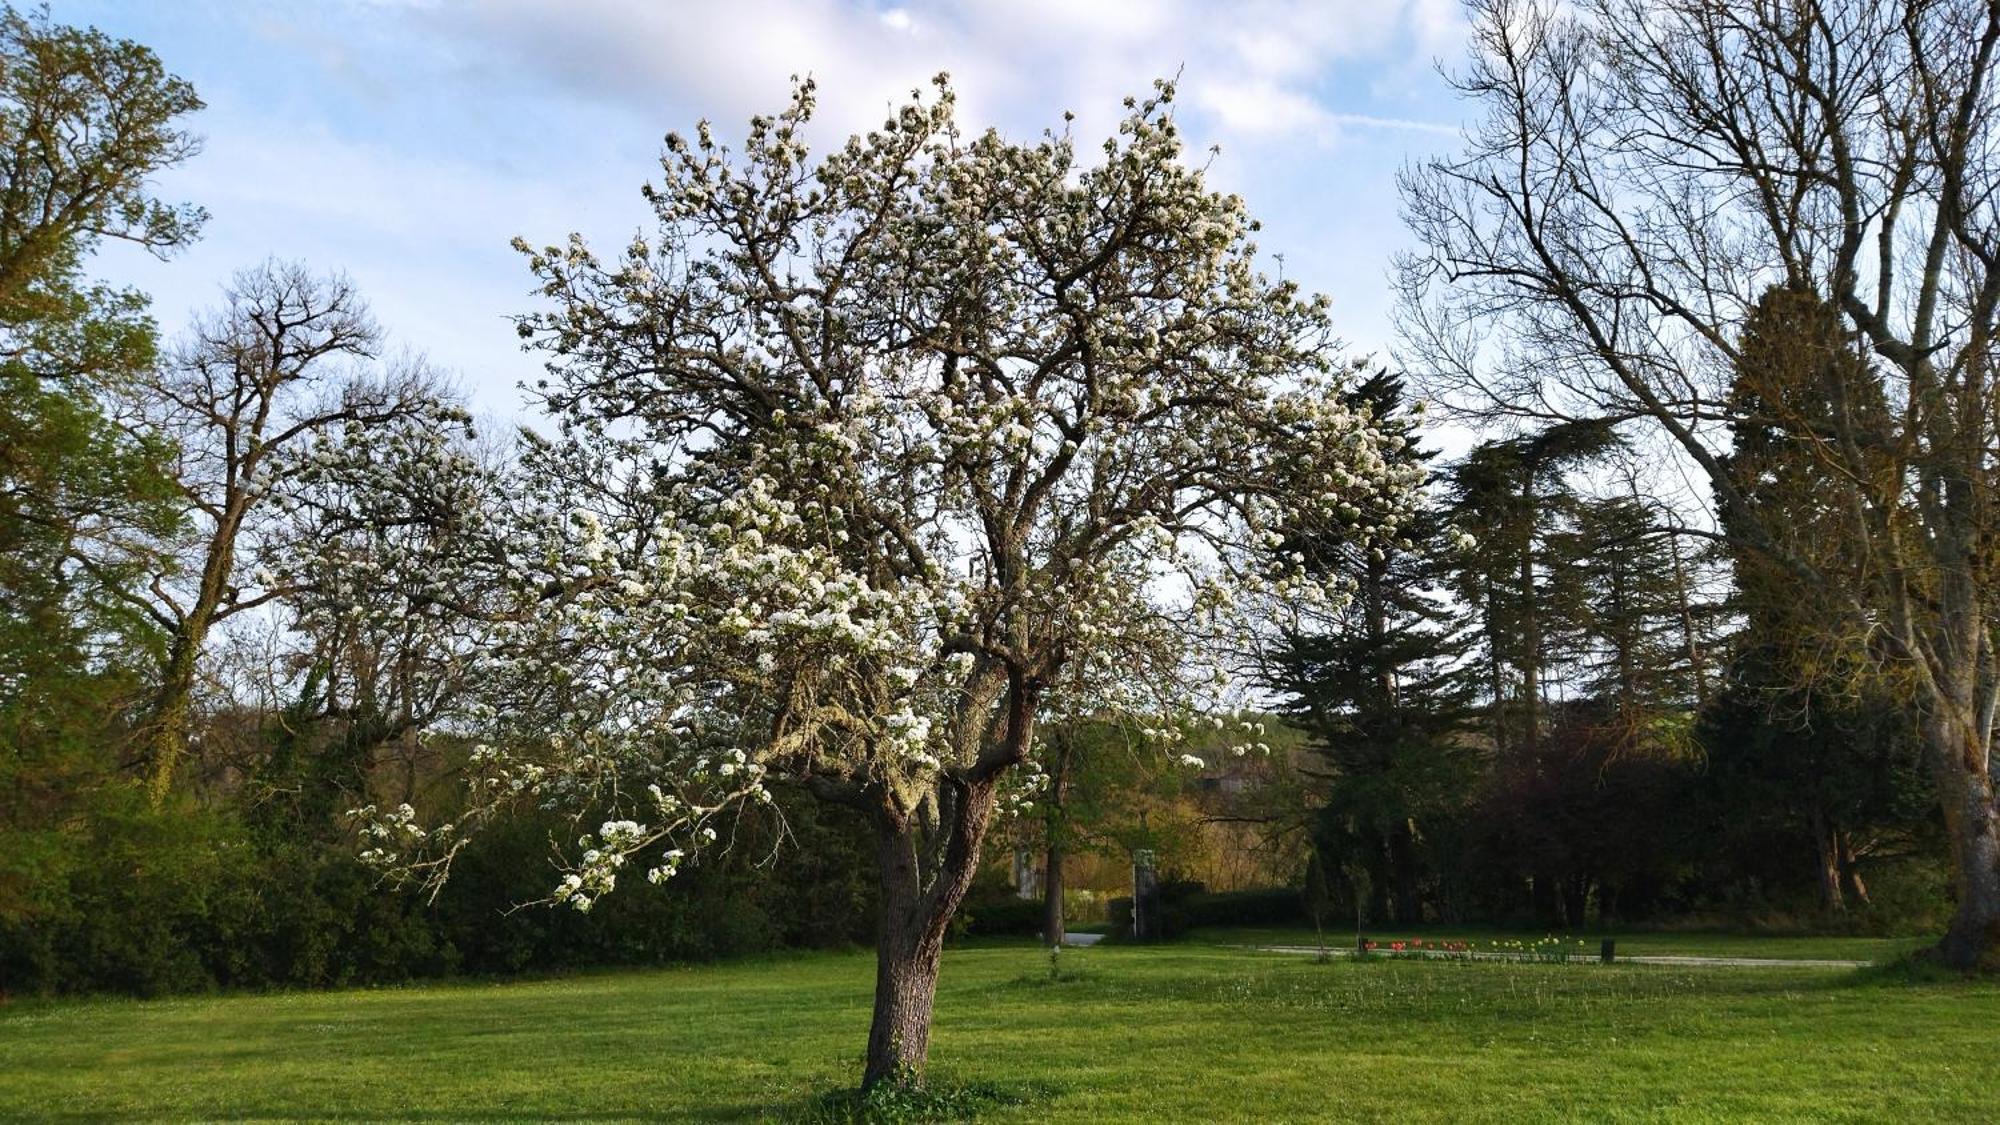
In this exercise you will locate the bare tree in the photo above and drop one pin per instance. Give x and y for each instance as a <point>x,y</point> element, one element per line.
<point>1643,173</point>
<point>286,360</point>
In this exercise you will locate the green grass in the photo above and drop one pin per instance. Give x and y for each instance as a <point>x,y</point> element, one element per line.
<point>1188,1032</point>
<point>1641,943</point>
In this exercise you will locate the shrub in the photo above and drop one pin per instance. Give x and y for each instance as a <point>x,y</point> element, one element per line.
<point>1185,906</point>
<point>1002,917</point>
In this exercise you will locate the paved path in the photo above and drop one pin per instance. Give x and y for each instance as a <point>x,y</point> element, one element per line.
<point>1687,960</point>
<point>1591,959</point>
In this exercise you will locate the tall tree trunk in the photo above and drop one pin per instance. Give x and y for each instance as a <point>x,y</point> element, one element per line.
<point>907,952</point>
<point>1496,672</point>
<point>1402,872</point>
<point>1850,869</point>
<point>1972,824</point>
<point>167,719</point>
<point>1531,656</point>
<point>1690,641</point>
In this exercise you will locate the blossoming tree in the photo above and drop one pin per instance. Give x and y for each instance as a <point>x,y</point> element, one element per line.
<point>863,462</point>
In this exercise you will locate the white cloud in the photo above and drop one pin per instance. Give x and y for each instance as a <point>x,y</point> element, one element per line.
<point>1260,106</point>
<point>1258,67</point>
<point>407,140</point>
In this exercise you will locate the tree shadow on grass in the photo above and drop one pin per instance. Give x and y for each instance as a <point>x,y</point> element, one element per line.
<point>937,1100</point>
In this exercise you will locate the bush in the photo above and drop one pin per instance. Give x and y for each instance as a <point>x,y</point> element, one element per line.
<point>123,898</point>
<point>1264,906</point>
<point>1002,917</point>
<point>1118,919</point>
<point>1186,906</point>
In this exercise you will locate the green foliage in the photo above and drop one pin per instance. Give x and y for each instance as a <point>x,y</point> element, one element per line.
<point>1624,577</point>
<point>1187,906</point>
<point>131,899</point>
<point>1384,693</point>
<point>1798,379</point>
<point>1816,763</point>
<point>1797,779</point>
<point>85,121</point>
<point>997,916</point>
<point>1510,496</point>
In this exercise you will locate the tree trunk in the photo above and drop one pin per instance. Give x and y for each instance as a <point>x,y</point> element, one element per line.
<point>907,952</point>
<point>166,726</point>
<point>1972,824</point>
<point>1828,867</point>
<point>1690,639</point>
<point>1496,673</point>
<point>1531,656</point>
<point>1850,870</point>
<point>916,912</point>
<point>167,720</point>
<point>1052,864</point>
<point>1052,896</point>
<point>1402,872</point>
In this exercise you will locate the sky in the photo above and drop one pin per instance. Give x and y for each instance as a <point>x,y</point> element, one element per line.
<point>407,142</point>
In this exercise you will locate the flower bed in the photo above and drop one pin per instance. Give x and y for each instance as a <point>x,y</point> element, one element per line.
<point>1550,949</point>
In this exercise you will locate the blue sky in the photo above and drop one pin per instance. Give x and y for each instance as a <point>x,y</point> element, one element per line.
<point>407,141</point>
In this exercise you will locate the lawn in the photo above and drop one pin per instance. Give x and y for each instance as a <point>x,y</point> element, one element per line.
<point>1186,1032</point>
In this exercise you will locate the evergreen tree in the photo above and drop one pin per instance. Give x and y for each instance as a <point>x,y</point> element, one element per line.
<point>1384,690</point>
<point>1633,610</point>
<point>1814,747</point>
<point>1798,377</point>
<point>1509,496</point>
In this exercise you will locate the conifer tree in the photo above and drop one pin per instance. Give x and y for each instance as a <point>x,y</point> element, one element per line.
<point>1383,687</point>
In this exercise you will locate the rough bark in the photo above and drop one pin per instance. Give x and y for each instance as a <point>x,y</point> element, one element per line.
<point>1052,896</point>
<point>1850,870</point>
<point>1972,824</point>
<point>907,952</point>
<point>917,909</point>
